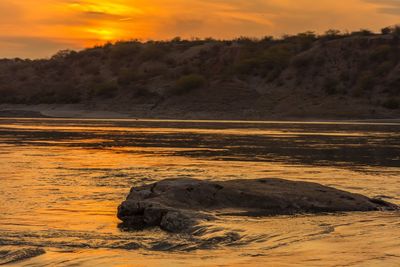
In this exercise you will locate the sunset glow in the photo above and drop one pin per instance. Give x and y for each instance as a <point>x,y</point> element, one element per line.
<point>29,30</point>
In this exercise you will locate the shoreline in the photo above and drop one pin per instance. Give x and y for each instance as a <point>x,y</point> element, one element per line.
<point>79,112</point>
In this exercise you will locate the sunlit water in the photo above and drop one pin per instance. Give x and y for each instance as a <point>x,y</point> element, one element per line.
<point>62,180</point>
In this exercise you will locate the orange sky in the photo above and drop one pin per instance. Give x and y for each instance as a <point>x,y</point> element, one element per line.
<point>39,28</point>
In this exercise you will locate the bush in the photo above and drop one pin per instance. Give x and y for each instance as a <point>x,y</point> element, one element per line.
<point>301,41</point>
<point>126,76</point>
<point>245,40</point>
<point>246,65</point>
<point>141,91</point>
<point>105,89</point>
<point>394,30</point>
<point>151,52</point>
<point>305,40</point>
<point>330,85</point>
<point>273,59</point>
<point>67,94</point>
<point>381,53</point>
<point>386,30</point>
<point>63,54</point>
<point>331,34</point>
<point>391,104</point>
<point>362,32</point>
<point>345,76</point>
<point>302,61</point>
<point>189,82</point>
<point>124,50</point>
<point>8,96</point>
<point>276,57</point>
<point>43,96</point>
<point>365,82</point>
<point>91,68</point>
<point>383,69</point>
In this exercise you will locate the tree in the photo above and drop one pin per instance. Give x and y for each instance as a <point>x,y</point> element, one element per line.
<point>62,54</point>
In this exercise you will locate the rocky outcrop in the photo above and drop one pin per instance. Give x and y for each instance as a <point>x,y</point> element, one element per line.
<point>8,256</point>
<point>179,204</point>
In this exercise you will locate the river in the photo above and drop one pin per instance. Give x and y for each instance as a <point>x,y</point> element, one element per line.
<point>61,181</point>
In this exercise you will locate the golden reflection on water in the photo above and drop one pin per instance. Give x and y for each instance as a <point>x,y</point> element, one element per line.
<point>65,197</point>
<point>186,130</point>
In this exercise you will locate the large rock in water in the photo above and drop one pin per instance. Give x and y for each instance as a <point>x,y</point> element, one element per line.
<point>177,204</point>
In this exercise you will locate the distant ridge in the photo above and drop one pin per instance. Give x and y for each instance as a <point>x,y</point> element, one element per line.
<point>337,76</point>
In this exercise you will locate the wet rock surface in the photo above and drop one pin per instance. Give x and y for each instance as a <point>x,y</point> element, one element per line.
<point>10,255</point>
<point>177,205</point>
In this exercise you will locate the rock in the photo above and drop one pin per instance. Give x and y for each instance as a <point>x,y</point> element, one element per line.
<point>12,256</point>
<point>177,205</point>
<point>175,221</point>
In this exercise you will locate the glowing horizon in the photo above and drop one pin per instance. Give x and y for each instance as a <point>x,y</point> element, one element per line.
<point>29,31</point>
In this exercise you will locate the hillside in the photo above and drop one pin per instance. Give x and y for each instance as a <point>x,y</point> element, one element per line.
<point>333,76</point>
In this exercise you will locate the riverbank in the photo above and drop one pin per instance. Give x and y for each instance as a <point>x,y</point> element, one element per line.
<point>86,112</point>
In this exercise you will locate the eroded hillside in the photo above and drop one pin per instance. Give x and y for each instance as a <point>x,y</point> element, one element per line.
<point>330,76</point>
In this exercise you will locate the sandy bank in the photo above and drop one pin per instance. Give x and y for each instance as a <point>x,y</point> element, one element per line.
<point>102,112</point>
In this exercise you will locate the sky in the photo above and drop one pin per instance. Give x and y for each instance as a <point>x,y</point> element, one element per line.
<point>39,28</point>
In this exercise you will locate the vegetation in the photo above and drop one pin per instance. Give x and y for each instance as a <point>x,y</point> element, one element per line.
<point>365,82</point>
<point>360,64</point>
<point>105,89</point>
<point>331,85</point>
<point>189,82</point>
<point>391,104</point>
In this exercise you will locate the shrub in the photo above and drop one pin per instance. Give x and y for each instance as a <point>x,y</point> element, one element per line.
<point>43,96</point>
<point>91,68</point>
<point>151,52</point>
<point>276,57</point>
<point>330,85</point>
<point>63,54</point>
<point>123,50</point>
<point>362,32</point>
<point>141,91</point>
<point>345,76</point>
<point>301,41</point>
<point>176,39</point>
<point>189,82</point>
<point>302,61</point>
<point>381,53</point>
<point>105,89</point>
<point>364,83</point>
<point>273,59</point>
<point>245,40</point>
<point>331,34</point>
<point>67,94</point>
<point>7,96</point>
<point>391,103</point>
<point>305,40</point>
<point>126,76</point>
<point>246,65</point>
<point>394,30</point>
<point>386,30</point>
<point>383,69</point>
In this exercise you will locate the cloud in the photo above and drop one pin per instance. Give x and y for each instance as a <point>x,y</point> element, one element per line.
<point>9,10</point>
<point>81,23</point>
<point>28,47</point>
<point>391,7</point>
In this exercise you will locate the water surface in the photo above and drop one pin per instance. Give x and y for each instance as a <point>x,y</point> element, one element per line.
<point>62,180</point>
